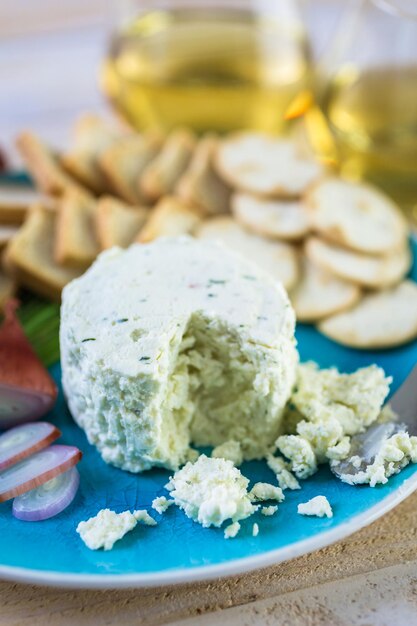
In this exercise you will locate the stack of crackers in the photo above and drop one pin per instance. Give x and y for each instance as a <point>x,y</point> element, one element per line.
<point>341,249</point>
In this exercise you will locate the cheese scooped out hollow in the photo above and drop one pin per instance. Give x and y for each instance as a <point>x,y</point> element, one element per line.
<point>176,342</point>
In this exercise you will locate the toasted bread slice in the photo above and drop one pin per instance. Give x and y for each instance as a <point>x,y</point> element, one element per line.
<point>275,219</point>
<point>43,165</point>
<point>265,165</point>
<point>356,215</point>
<point>373,272</point>
<point>124,161</point>
<point>277,258</point>
<point>15,201</point>
<point>161,175</point>
<point>7,288</point>
<point>76,243</point>
<point>200,185</point>
<point>92,136</point>
<point>381,320</point>
<point>320,294</point>
<point>170,217</point>
<point>117,223</point>
<point>29,255</point>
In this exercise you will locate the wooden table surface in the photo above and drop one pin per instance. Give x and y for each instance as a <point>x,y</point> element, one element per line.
<point>49,54</point>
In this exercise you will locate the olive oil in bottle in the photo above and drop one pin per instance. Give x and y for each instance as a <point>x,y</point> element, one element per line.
<point>372,117</point>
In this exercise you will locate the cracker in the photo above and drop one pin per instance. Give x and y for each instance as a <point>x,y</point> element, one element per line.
<point>275,219</point>
<point>356,215</point>
<point>265,165</point>
<point>7,288</point>
<point>200,184</point>
<point>30,257</point>
<point>76,243</point>
<point>92,135</point>
<point>320,294</point>
<point>124,161</point>
<point>15,201</point>
<point>374,272</point>
<point>277,258</point>
<point>43,165</point>
<point>170,218</point>
<point>117,223</point>
<point>161,175</point>
<point>381,320</point>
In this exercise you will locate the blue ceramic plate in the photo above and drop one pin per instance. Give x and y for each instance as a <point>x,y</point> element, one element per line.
<point>178,550</point>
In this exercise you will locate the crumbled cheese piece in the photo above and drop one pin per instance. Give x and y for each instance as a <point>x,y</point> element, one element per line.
<point>255,530</point>
<point>161,504</point>
<point>269,510</point>
<point>231,530</point>
<point>395,453</point>
<point>191,455</point>
<point>107,527</point>
<point>354,400</point>
<point>211,491</point>
<point>300,453</point>
<point>329,407</point>
<point>265,491</point>
<point>318,506</point>
<point>339,451</point>
<point>285,478</point>
<point>143,516</point>
<point>155,360</point>
<point>230,450</point>
<point>321,435</point>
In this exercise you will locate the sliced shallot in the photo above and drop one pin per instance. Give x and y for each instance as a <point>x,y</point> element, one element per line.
<point>49,499</point>
<point>22,441</point>
<point>26,389</point>
<point>37,470</point>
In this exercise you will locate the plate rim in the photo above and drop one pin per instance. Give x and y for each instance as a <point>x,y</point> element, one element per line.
<point>233,567</point>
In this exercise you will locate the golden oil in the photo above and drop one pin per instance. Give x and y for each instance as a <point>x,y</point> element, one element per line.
<point>372,118</point>
<point>206,69</point>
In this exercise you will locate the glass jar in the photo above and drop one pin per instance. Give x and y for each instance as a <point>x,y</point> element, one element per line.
<point>215,65</point>
<point>369,98</point>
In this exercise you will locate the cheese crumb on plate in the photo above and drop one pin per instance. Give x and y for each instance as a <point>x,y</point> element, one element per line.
<point>318,507</point>
<point>107,527</point>
<point>269,510</point>
<point>211,491</point>
<point>161,504</point>
<point>265,491</point>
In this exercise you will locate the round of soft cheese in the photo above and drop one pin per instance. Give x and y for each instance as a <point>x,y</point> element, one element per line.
<point>174,342</point>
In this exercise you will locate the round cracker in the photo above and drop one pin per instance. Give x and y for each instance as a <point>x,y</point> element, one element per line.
<point>276,219</point>
<point>356,215</point>
<point>381,320</point>
<point>320,293</point>
<point>277,258</point>
<point>374,272</point>
<point>265,165</point>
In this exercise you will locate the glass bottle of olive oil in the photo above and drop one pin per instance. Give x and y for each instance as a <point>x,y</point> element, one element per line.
<point>373,119</point>
<point>370,99</point>
<point>208,66</point>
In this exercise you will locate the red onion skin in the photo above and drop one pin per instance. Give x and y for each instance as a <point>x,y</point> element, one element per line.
<point>43,477</point>
<point>38,515</point>
<point>20,368</point>
<point>31,449</point>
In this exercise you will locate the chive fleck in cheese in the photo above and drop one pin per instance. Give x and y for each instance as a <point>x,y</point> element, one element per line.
<point>176,342</point>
